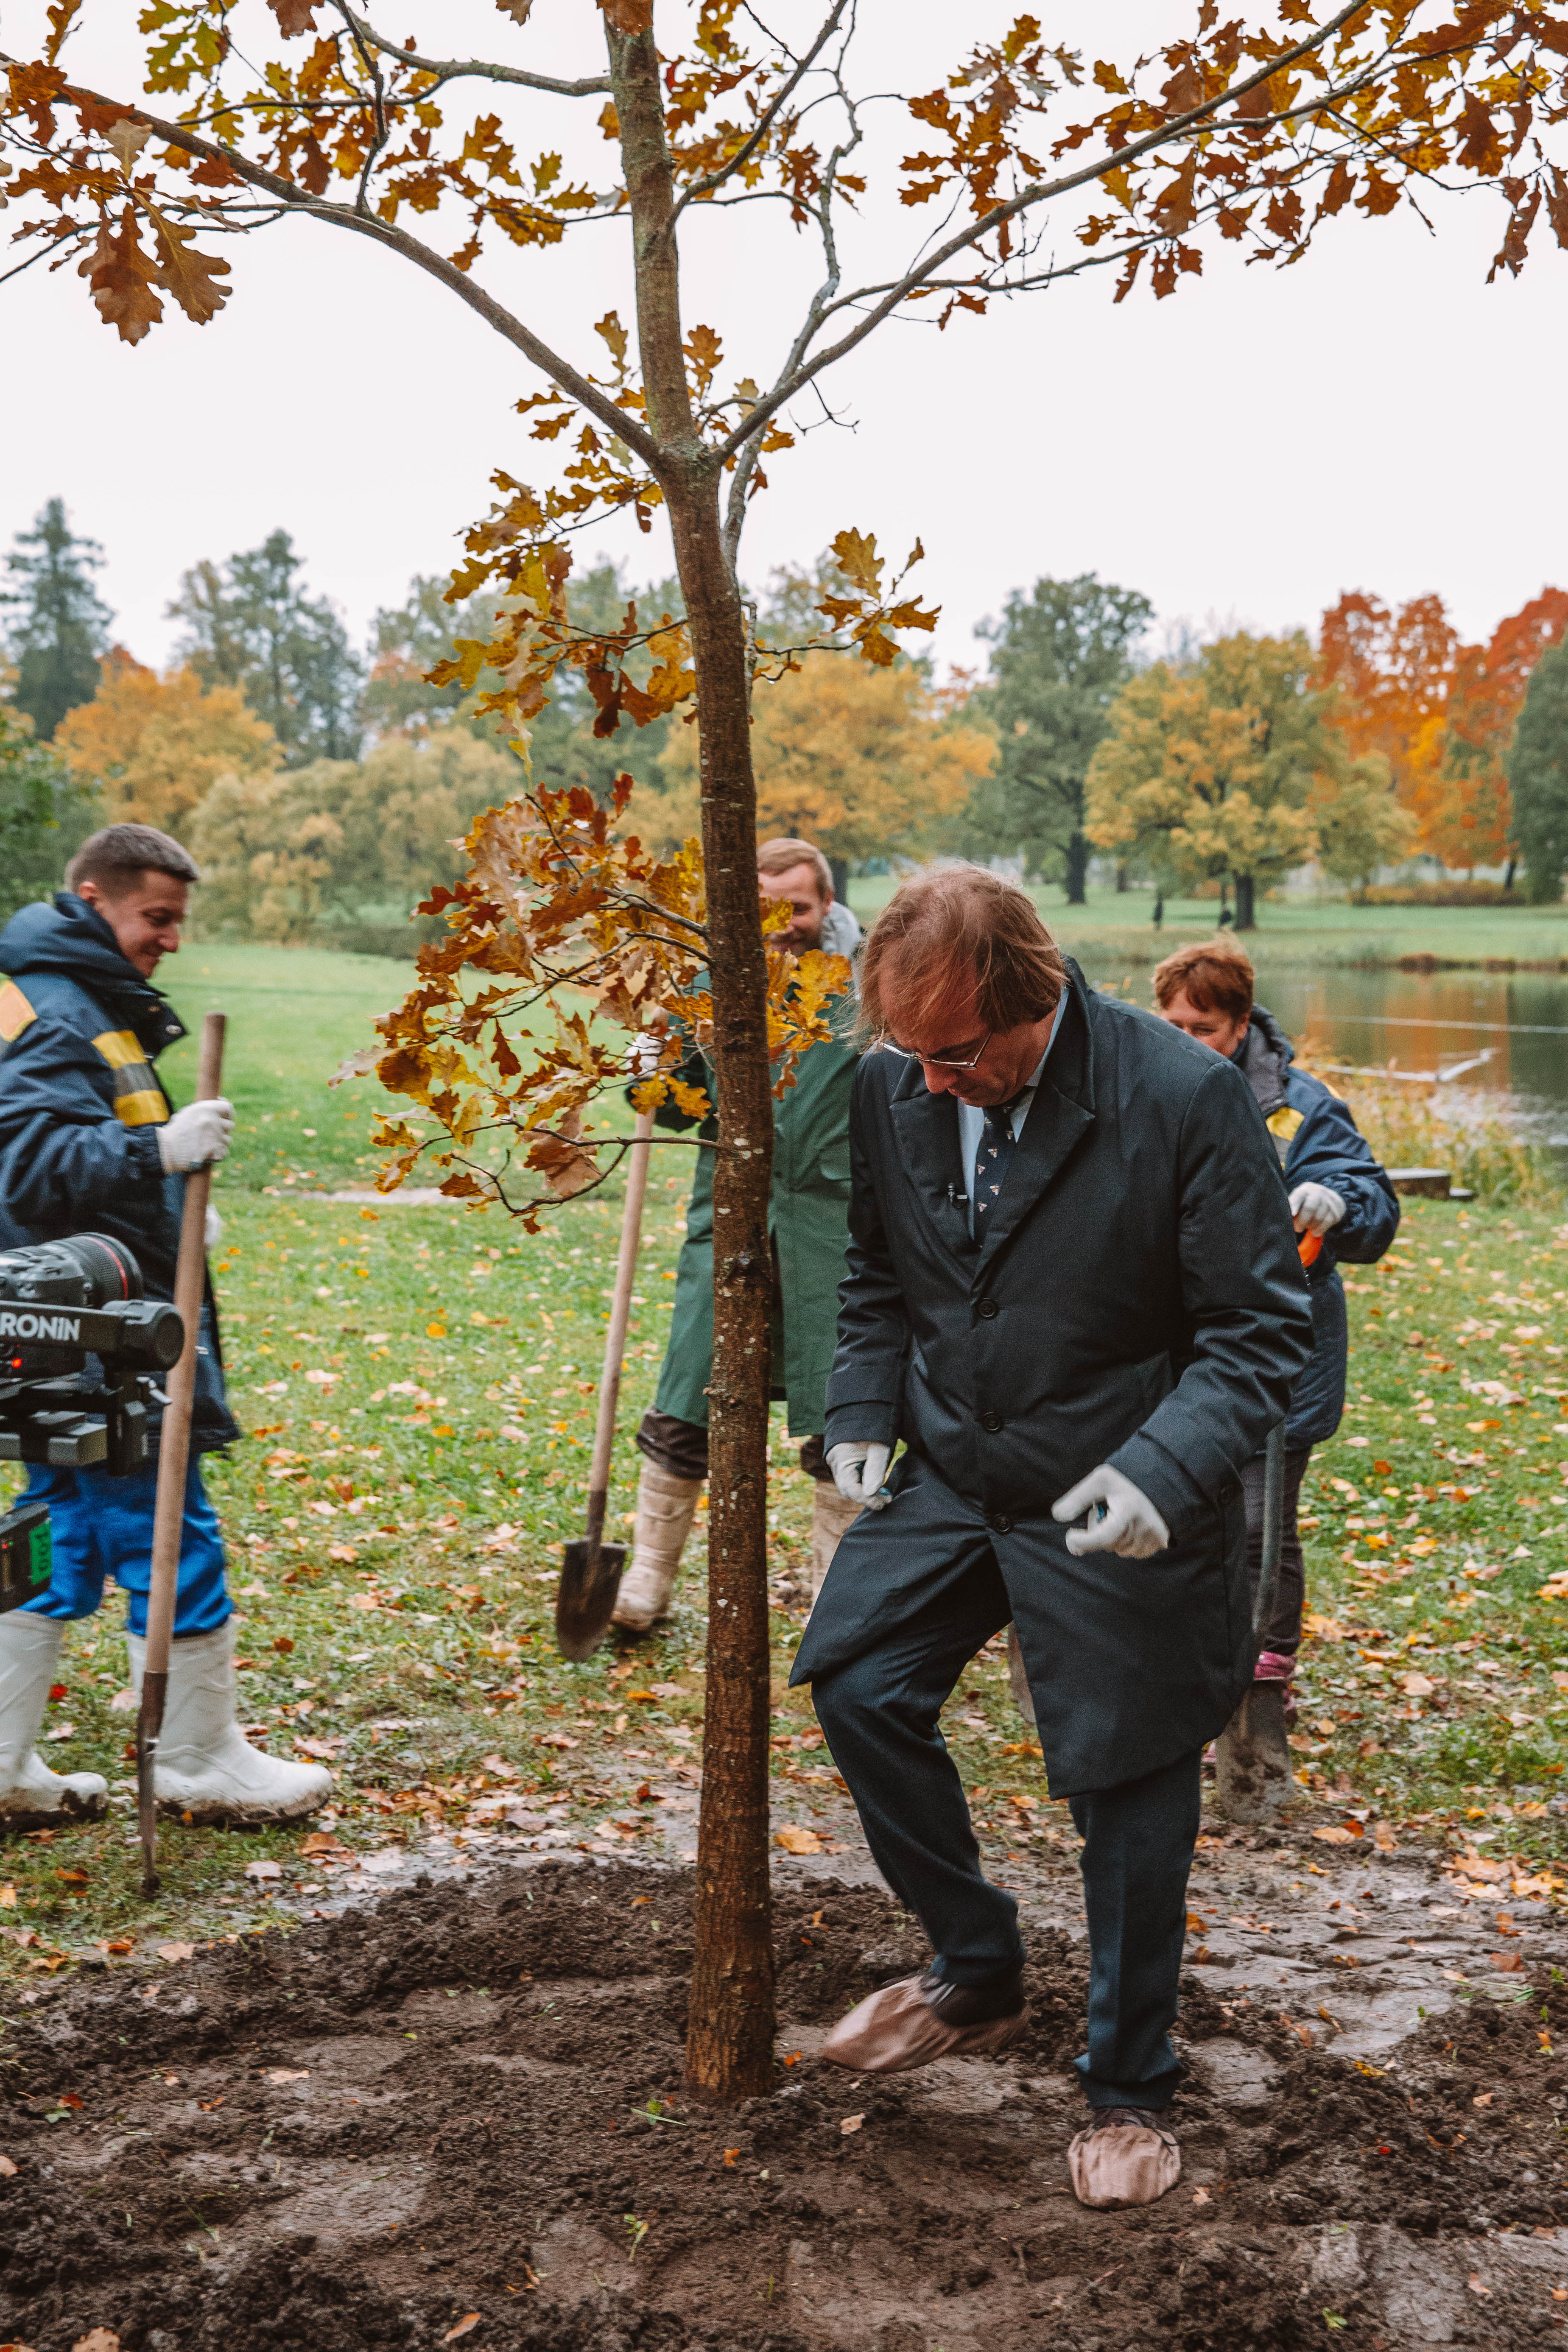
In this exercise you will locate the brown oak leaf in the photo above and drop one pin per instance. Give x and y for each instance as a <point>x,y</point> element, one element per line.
<point>189,276</point>
<point>122,275</point>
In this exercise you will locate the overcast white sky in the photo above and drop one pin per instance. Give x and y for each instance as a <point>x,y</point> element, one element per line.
<point>1376,418</point>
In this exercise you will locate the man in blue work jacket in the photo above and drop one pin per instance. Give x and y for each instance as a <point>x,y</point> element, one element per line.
<point>1343,1207</point>
<point>89,1144</point>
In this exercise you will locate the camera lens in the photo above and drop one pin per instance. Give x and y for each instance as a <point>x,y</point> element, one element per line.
<point>108,1271</point>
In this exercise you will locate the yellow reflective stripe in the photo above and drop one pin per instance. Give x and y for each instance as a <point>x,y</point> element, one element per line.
<point>146,1108</point>
<point>16,1011</point>
<point>120,1048</point>
<point>1284,1121</point>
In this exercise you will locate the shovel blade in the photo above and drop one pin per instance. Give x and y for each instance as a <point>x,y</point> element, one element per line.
<point>1253,1778</point>
<point>585,1597</point>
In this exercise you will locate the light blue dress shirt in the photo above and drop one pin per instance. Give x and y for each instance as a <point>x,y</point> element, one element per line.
<point>972,1116</point>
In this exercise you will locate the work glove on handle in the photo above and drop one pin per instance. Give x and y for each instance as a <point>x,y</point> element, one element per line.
<point>1122,1518</point>
<point>196,1136</point>
<point>858,1471</point>
<point>1315,1208</point>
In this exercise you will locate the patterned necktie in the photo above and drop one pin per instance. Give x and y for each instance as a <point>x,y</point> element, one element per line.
<point>991,1160</point>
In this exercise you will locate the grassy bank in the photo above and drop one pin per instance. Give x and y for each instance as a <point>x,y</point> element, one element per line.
<point>1118,928</point>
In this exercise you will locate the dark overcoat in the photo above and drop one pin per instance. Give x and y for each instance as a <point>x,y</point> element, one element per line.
<point>1137,1299</point>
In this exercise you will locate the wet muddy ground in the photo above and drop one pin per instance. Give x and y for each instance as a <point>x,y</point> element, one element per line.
<point>454,2113</point>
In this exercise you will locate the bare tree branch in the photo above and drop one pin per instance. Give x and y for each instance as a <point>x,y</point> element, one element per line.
<point>749,146</point>
<point>582,389</point>
<point>469,69</point>
<point>1196,118</point>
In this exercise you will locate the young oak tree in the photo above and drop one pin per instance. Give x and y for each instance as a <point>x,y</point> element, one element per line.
<point>1028,164</point>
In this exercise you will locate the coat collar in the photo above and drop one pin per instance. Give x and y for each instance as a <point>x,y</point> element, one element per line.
<point>926,1127</point>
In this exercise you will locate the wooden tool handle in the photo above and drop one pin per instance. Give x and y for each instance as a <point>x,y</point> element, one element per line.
<point>616,1336</point>
<point>175,1438</point>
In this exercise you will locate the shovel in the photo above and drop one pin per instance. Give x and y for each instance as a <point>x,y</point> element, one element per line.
<point>1253,1780</point>
<point>590,1568</point>
<point>173,1456</point>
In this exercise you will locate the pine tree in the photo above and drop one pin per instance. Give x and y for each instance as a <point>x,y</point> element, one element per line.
<point>1538,778</point>
<point>61,622</point>
<point>249,624</point>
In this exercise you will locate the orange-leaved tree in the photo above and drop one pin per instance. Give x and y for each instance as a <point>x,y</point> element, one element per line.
<point>1034,163</point>
<point>1441,712</point>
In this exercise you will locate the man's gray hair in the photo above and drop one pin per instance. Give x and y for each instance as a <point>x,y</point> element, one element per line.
<point>114,857</point>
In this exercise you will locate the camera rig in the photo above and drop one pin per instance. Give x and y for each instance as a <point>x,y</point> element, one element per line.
<point>79,1349</point>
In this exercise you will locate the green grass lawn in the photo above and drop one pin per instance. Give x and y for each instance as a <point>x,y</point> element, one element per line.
<point>419,1388</point>
<point>1289,930</point>
<point>419,1384</point>
<point>293,1016</point>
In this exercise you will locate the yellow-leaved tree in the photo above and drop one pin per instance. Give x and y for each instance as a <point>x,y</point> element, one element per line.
<point>1036,163</point>
<point>862,760</point>
<point>1227,766</point>
<point>152,747</point>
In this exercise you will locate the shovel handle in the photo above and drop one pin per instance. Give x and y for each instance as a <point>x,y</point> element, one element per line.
<point>173,1457</point>
<point>616,1336</point>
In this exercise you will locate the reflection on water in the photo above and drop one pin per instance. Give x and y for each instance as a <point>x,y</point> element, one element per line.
<point>1510,1028</point>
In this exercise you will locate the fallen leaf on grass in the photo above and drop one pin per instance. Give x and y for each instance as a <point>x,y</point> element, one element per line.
<point>849,2124</point>
<point>1334,1835</point>
<point>1417,1685</point>
<point>176,1951</point>
<point>1509,1963</point>
<point>465,2326</point>
<point>798,1840</point>
<point>264,1870</point>
<point>321,1842</point>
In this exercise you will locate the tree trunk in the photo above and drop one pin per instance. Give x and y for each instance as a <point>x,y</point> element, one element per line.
<point>1121,876</point>
<point>730,2031</point>
<point>1078,868</point>
<point>1246,911</point>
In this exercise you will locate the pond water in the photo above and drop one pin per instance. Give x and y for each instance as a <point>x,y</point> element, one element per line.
<point>1501,1039</point>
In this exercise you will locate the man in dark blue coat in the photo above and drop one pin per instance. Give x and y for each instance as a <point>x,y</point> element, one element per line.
<point>1073,1292</point>
<point>1343,1207</point>
<point>87,1144</point>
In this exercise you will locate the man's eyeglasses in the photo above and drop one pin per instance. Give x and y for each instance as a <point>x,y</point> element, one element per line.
<point>934,1061</point>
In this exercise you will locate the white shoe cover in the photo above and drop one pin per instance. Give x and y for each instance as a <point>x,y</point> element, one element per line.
<point>204,1765</point>
<point>31,1796</point>
<point>665,1508</point>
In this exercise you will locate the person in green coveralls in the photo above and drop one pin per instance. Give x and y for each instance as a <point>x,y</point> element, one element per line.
<point>808,1217</point>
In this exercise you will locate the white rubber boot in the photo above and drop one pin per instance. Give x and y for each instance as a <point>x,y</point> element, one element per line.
<point>830,1516</point>
<point>31,1796</point>
<point>205,1765</point>
<point>665,1507</point>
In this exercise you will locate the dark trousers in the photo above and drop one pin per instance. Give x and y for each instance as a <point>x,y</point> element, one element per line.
<point>879,1713</point>
<point>1283,1632</point>
<point>681,1447</point>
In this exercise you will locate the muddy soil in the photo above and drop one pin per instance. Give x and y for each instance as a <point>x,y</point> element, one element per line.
<point>458,2115</point>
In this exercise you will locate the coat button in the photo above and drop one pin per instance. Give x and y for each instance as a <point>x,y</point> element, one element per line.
<point>1000,1524</point>
<point>991,1421</point>
<point>987,1308</point>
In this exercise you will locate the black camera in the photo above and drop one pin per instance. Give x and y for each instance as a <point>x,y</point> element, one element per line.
<point>79,1348</point>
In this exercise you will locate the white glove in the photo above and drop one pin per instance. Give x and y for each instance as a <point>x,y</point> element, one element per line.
<point>1128,1524</point>
<point>1315,1208</point>
<point>212,1232</point>
<point>858,1471</point>
<point>196,1136</point>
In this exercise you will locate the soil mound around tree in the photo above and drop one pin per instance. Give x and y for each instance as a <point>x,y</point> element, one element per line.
<point>459,2117</point>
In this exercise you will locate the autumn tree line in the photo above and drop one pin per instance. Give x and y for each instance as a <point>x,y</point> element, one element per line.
<point>322,787</point>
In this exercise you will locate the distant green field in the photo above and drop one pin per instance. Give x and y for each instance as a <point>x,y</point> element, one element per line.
<point>293,1014</point>
<point>1118,925</point>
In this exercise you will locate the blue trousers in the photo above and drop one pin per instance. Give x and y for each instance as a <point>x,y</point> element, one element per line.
<point>880,1712</point>
<point>101,1527</point>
